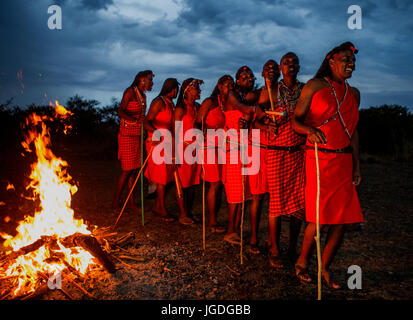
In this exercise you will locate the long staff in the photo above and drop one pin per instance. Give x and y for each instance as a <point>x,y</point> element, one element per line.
<point>133,186</point>
<point>317,237</point>
<point>142,197</point>
<point>243,193</point>
<point>203,190</point>
<point>268,84</point>
<point>242,212</point>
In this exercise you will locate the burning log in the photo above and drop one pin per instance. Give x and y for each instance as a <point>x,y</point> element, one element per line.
<point>30,248</point>
<point>87,242</point>
<point>42,290</point>
<point>52,238</point>
<point>90,244</point>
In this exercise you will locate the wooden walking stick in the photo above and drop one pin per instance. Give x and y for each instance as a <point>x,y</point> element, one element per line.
<point>273,113</point>
<point>268,84</point>
<point>277,113</point>
<point>203,190</point>
<point>142,196</point>
<point>242,212</point>
<point>133,186</point>
<point>243,195</point>
<point>317,237</point>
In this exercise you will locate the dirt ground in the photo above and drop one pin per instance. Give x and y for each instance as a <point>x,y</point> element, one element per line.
<point>175,265</point>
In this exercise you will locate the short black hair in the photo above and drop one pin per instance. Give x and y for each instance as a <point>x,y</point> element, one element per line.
<point>290,53</point>
<point>242,69</point>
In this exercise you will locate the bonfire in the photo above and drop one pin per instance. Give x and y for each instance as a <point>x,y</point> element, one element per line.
<point>52,240</point>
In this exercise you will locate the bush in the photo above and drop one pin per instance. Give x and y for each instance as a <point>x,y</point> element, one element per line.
<point>387,130</point>
<point>91,125</point>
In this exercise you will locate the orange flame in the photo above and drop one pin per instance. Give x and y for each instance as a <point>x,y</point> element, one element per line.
<point>51,184</point>
<point>63,113</point>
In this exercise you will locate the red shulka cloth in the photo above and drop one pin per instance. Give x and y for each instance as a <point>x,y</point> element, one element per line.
<point>212,169</point>
<point>258,182</point>
<point>129,137</point>
<point>160,173</point>
<point>188,173</point>
<point>234,182</point>
<point>339,203</point>
<point>286,169</point>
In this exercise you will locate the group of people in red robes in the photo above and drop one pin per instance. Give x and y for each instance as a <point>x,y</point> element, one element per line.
<point>305,139</point>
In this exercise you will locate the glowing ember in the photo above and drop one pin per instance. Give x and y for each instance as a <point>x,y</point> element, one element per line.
<point>9,187</point>
<point>51,184</point>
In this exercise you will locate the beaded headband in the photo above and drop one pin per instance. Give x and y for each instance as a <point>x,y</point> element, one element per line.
<point>194,83</point>
<point>351,48</point>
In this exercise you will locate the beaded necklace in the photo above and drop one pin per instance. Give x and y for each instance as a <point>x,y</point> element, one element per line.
<point>166,101</point>
<point>220,103</point>
<point>193,106</point>
<point>287,99</point>
<point>339,104</point>
<point>140,99</point>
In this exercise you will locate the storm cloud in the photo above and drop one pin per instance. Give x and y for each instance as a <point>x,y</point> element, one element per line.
<point>104,43</point>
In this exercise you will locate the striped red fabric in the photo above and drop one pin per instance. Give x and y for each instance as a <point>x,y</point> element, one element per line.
<point>129,152</point>
<point>129,144</point>
<point>286,183</point>
<point>286,169</point>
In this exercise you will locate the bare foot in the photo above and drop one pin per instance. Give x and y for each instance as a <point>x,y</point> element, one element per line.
<point>329,280</point>
<point>302,274</point>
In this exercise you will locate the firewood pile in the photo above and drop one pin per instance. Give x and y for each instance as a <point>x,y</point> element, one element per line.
<point>107,248</point>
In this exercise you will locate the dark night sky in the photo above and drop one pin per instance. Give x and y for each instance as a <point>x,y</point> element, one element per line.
<point>104,43</point>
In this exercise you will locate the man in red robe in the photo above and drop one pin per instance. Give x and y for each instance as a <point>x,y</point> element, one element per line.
<point>327,112</point>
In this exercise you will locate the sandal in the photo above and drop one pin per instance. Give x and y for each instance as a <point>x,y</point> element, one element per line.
<point>253,248</point>
<point>232,238</point>
<point>186,221</point>
<point>276,263</point>
<point>216,229</point>
<point>302,274</point>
